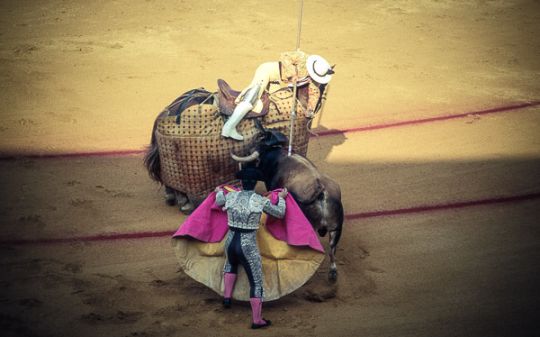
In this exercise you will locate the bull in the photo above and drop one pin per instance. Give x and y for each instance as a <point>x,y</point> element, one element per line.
<point>318,195</point>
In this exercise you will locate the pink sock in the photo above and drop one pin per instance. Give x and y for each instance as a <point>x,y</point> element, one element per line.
<point>256,309</point>
<point>229,279</point>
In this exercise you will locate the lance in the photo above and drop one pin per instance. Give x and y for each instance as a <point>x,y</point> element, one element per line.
<point>295,82</point>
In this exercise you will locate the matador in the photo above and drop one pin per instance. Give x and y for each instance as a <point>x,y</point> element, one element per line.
<point>244,209</point>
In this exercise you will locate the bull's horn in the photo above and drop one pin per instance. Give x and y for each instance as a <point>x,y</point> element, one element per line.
<point>251,157</point>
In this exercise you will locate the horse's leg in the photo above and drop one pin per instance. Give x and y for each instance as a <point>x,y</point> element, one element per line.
<point>174,197</point>
<point>170,196</point>
<point>186,206</point>
<point>177,198</point>
<point>334,237</point>
<point>181,199</point>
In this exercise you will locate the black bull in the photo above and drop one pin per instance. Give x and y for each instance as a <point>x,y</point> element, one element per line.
<point>318,195</point>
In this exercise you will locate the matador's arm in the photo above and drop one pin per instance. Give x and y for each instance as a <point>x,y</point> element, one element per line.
<point>220,198</point>
<point>277,211</point>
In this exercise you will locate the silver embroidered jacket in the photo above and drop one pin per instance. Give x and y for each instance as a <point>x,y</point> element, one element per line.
<point>244,208</point>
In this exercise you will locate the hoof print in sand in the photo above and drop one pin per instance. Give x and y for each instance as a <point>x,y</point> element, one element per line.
<point>80,202</point>
<point>320,294</point>
<point>118,317</point>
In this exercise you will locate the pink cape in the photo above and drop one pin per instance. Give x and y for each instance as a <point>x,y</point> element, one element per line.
<point>208,223</point>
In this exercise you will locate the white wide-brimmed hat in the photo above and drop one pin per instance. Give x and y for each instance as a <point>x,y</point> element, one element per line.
<point>319,69</point>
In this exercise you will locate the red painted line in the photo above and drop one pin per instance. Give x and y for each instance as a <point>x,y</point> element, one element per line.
<point>428,120</point>
<point>67,155</point>
<point>92,238</point>
<point>354,216</point>
<point>121,153</point>
<point>429,208</point>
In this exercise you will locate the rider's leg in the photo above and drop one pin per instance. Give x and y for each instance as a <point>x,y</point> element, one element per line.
<point>229,129</point>
<point>249,98</point>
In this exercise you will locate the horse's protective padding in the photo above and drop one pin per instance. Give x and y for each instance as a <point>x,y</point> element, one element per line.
<point>195,158</point>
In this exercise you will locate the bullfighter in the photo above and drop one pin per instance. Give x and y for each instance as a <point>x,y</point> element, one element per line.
<point>244,209</point>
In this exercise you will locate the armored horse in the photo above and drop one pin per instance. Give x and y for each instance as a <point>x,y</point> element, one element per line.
<point>187,153</point>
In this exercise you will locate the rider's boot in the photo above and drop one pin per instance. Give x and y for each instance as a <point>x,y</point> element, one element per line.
<point>229,129</point>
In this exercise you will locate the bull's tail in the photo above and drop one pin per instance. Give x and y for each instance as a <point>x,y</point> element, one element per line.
<point>151,158</point>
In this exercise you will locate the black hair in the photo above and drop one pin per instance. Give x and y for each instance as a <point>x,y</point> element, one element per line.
<point>249,185</point>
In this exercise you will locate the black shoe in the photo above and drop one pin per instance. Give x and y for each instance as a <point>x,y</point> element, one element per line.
<point>259,326</point>
<point>226,303</point>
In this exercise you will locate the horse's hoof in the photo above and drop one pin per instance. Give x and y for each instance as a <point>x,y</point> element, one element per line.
<point>170,199</point>
<point>187,208</point>
<point>332,276</point>
<point>181,199</point>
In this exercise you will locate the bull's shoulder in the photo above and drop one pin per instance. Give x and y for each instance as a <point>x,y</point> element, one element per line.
<point>301,160</point>
<point>301,177</point>
<point>331,186</point>
<point>300,165</point>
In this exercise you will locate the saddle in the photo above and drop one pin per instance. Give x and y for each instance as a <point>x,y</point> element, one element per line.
<point>227,96</point>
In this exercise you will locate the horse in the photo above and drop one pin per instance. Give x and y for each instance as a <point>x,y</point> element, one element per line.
<point>187,153</point>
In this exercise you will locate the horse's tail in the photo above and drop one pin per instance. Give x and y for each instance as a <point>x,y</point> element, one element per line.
<point>151,158</point>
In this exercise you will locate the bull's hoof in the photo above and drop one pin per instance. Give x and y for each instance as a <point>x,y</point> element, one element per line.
<point>332,275</point>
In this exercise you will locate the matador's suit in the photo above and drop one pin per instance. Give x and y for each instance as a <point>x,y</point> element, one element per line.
<point>292,68</point>
<point>244,209</point>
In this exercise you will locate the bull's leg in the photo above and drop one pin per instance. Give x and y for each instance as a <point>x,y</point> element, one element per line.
<point>334,239</point>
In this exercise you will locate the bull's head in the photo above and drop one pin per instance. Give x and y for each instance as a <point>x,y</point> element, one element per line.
<point>266,152</point>
<point>266,141</point>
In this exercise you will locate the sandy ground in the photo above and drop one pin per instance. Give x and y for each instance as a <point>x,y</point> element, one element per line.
<point>81,77</point>
<point>93,77</point>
